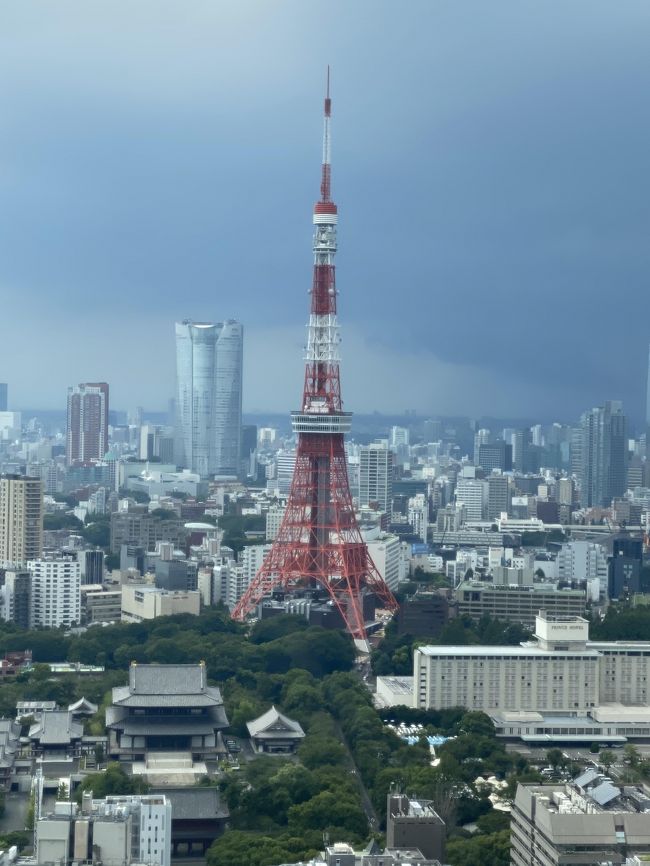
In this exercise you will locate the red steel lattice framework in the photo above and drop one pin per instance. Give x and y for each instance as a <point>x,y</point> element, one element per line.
<point>319,542</point>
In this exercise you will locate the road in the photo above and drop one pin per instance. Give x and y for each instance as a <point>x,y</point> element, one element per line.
<point>366,802</point>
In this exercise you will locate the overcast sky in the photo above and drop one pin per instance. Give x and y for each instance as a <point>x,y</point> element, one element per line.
<point>159,160</point>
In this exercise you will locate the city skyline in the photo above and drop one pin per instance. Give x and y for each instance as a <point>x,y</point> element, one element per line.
<point>497,251</point>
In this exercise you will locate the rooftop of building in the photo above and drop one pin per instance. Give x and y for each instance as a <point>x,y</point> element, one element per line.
<point>274,723</point>
<point>539,588</point>
<point>196,804</point>
<point>56,729</point>
<point>592,793</point>
<point>531,650</point>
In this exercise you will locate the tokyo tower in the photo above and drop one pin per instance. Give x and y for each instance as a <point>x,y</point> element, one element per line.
<point>319,543</point>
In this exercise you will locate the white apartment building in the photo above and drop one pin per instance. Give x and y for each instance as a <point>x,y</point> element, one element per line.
<point>56,592</point>
<point>473,494</point>
<point>418,515</point>
<point>385,552</point>
<point>232,579</point>
<point>560,673</point>
<point>274,517</point>
<point>583,560</point>
<point>376,476</point>
<point>554,674</point>
<point>142,601</point>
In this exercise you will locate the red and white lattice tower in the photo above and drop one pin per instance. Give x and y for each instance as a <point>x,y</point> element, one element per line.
<point>319,542</point>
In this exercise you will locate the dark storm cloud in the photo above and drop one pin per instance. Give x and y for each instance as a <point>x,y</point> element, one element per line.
<point>159,160</point>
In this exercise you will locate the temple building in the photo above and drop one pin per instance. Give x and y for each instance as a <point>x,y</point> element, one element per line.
<point>165,710</point>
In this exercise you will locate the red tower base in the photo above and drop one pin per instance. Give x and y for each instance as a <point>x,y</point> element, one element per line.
<point>319,542</point>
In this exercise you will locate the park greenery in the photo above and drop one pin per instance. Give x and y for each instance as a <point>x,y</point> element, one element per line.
<point>351,755</point>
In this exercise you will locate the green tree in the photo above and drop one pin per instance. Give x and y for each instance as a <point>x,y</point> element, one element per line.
<point>607,758</point>
<point>632,754</point>
<point>492,850</point>
<point>113,780</point>
<point>555,758</point>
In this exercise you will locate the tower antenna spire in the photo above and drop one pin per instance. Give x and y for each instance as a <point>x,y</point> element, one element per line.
<point>325,185</point>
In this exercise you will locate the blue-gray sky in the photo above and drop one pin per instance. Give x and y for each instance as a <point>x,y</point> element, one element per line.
<point>159,159</point>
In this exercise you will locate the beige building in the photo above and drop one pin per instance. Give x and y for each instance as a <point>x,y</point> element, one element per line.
<point>559,673</point>
<point>21,519</point>
<point>590,820</point>
<point>141,602</point>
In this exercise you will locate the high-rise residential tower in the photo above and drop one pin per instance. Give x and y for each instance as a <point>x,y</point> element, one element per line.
<point>87,428</point>
<point>376,476</point>
<point>209,395</point>
<point>604,454</point>
<point>21,519</point>
<point>3,397</point>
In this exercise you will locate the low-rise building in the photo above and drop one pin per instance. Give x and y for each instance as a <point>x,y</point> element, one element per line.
<point>140,602</point>
<point>590,820</point>
<point>56,734</point>
<point>100,605</point>
<point>521,604</point>
<point>118,829</point>
<point>274,733</point>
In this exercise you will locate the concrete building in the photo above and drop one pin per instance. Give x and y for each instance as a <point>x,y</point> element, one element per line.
<point>274,517</point>
<point>3,396</point>
<point>517,604</point>
<point>87,423</point>
<point>603,454</point>
<point>141,601</point>
<point>118,829</point>
<point>100,605</point>
<point>555,673</point>
<point>385,551</point>
<point>590,820</point>
<point>418,515</point>
<point>561,687</point>
<point>495,455</point>
<point>424,614</point>
<point>414,823</point>
<point>56,592</point>
<point>579,561</point>
<point>145,530</point>
<point>498,496</point>
<point>209,396</point>
<point>21,519</point>
<point>473,495</point>
<point>376,476</point>
<point>16,597</point>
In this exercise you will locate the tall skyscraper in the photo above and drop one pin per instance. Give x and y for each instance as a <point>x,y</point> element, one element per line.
<point>3,397</point>
<point>376,476</point>
<point>209,395</point>
<point>87,429</point>
<point>21,518</point>
<point>604,454</point>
